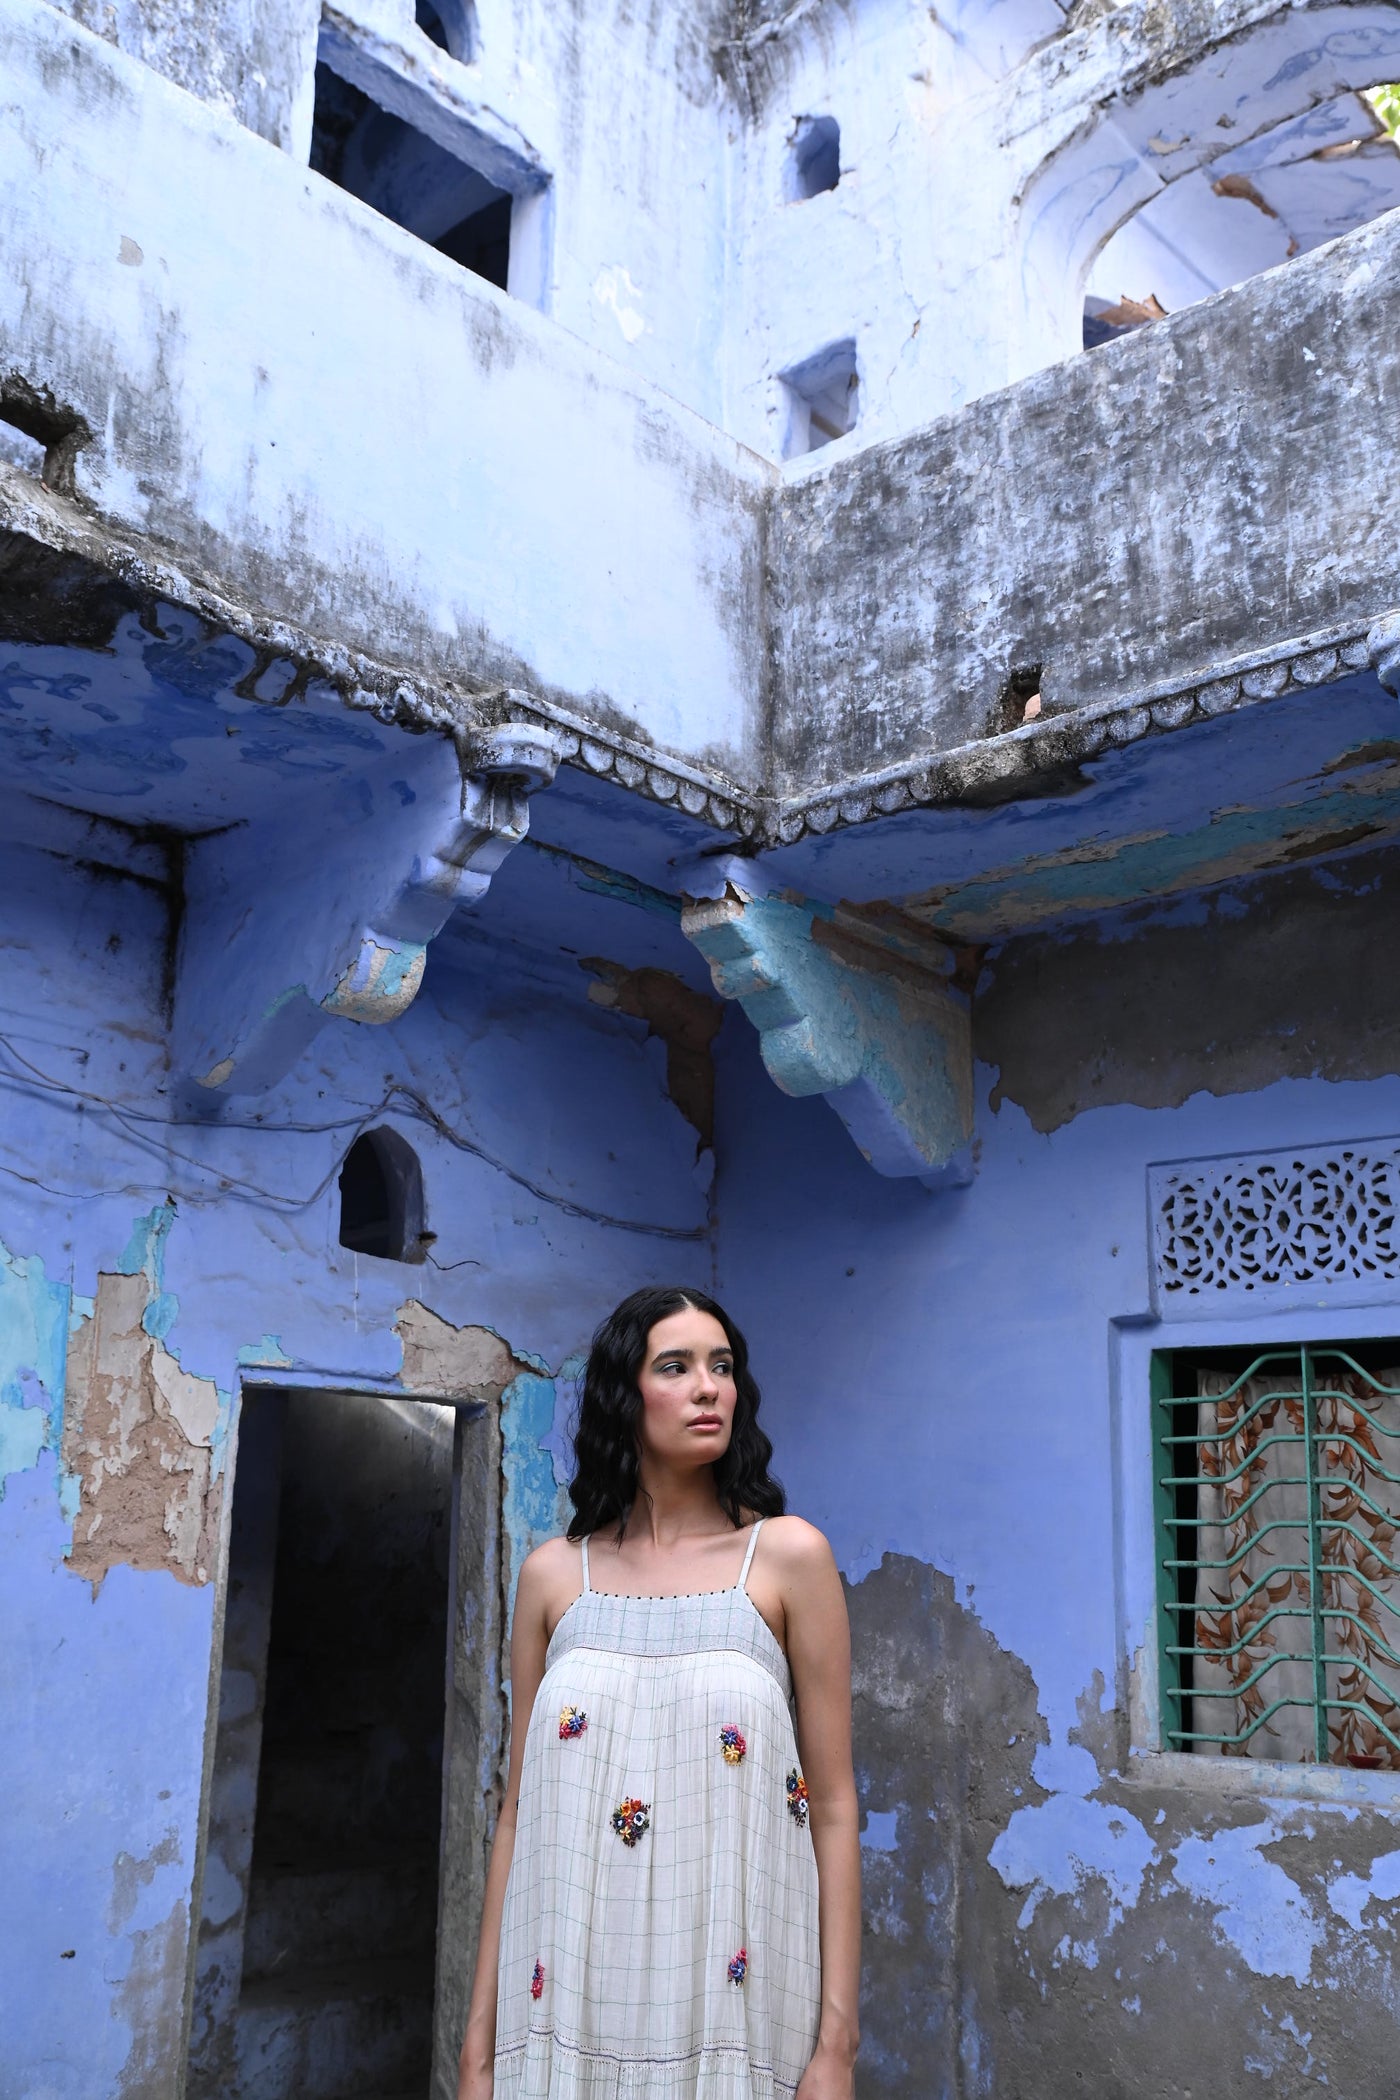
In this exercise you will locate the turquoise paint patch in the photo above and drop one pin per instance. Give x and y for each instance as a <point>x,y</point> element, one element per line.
<point>267,1353</point>
<point>34,1319</point>
<point>144,1252</point>
<point>527,1422</point>
<point>24,1433</point>
<point>160,1315</point>
<point>1236,844</point>
<point>293,991</point>
<point>402,961</point>
<point>534,1505</point>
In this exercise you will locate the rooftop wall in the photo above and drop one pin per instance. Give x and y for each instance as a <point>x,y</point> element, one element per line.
<point>349,432</point>
<point>1208,489</point>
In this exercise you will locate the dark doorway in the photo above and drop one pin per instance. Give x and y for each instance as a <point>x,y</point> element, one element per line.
<point>316,1963</point>
<point>410,178</point>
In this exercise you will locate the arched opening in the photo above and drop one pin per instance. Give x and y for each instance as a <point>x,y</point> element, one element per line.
<point>1268,146</point>
<point>1297,185</point>
<point>381,1198</point>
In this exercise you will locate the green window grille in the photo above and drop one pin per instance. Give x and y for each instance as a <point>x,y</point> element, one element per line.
<point>1277,1482</point>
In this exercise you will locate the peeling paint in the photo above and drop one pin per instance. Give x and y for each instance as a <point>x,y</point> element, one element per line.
<point>34,1316</point>
<point>686,1022</point>
<point>1259,1910</point>
<point>1350,1894</point>
<point>1057,1847</point>
<point>139,1438</point>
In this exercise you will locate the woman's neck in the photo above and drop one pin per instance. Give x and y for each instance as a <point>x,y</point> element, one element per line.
<point>671,1507</point>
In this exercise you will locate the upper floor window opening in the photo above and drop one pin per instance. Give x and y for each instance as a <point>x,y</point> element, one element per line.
<point>814,158</point>
<point>821,398</point>
<point>410,179</point>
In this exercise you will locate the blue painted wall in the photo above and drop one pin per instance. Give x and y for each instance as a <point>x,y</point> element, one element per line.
<point>543,1216</point>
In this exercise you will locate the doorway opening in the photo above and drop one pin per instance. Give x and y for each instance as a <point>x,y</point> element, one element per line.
<point>315,1973</point>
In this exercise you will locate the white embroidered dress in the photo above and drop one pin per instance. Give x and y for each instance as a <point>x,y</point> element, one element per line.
<point>682,1965</point>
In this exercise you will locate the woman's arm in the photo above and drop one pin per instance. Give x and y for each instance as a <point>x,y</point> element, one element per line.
<point>819,1652</point>
<point>528,1642</point>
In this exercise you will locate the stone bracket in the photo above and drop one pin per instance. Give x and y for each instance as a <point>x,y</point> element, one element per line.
<point>282,933</point>
<point>856,1004</point>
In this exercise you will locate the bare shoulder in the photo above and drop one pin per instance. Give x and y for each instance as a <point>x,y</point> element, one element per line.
<point>554,1557</point>
<point>795,1550</point>
<point>553,1571</point>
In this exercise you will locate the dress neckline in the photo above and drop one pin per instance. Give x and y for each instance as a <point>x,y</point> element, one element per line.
<point>682,1597</point>
<point>740,1587</point>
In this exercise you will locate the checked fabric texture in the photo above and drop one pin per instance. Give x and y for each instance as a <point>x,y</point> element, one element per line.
<point>676,1943</point>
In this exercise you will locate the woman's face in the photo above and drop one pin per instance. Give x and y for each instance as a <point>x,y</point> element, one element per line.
<point>688,1393</point>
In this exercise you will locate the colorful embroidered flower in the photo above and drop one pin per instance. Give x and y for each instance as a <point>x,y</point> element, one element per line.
<point>797,1798</point>
<point>537,1982</point>
<point>571,1722</point>
<point>632,1820</point>
<point>733,1748</point>
<point>739,1967</point>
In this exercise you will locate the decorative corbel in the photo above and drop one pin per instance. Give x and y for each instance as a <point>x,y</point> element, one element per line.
<point>855,1003</point>
<point>282,934</point>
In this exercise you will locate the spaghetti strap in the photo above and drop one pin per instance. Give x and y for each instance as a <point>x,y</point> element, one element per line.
<point>743,1582</point>
<point>583,1544</point>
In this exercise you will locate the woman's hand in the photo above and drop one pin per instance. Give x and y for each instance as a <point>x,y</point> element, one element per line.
<point>831,2075</point>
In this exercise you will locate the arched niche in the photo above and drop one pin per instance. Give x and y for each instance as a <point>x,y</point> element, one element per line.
<point>1262,150</point>
<point>381,1198</point>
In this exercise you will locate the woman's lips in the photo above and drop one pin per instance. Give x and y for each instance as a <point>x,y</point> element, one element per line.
<point>707,1422</point>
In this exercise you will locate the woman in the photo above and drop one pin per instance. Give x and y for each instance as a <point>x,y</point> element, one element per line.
<point>673,1904</point>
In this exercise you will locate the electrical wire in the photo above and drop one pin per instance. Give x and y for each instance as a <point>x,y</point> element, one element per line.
<point>136,1123</point>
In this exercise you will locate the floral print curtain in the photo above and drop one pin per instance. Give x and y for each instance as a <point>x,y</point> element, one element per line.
<point>1253,1674</point>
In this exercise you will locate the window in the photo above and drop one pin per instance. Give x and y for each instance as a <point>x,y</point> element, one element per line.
<point>821,397</point>
<point>814,161</point>
<point>381,1198</point>
<point>410,178</point>
<point>1277,1511</point>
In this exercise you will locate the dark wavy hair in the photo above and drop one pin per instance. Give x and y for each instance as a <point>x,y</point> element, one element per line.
<point>607,1455</point>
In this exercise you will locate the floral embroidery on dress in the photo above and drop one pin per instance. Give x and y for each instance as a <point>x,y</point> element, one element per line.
<point>797,1798</point>
<point>537,1981</point>
<point>733,1748</point>
<point>571,1722</point>
<point>631,1820</point>
<point>739,1967</point>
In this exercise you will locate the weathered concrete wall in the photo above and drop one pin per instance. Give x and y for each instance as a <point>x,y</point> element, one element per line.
<point>252,61</point>
<point>493,500</point>
<point>1282,978</point>
<point>1152,512</point>
<point>150,1268</point>
<point>1053,1905</point>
